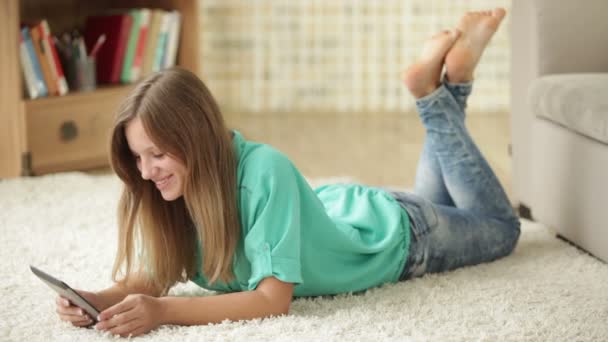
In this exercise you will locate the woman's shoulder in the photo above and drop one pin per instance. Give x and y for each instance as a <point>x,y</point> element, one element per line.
<point>261,164</point>
<point>264,157</point>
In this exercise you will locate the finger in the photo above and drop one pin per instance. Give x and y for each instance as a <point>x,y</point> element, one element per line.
<point>127,329</point>
<point>73,318</point>
<point>70,310</point>
<point>139,331</point>
<point>117,320</point>
<point>84,322</point>
<point>62,301</point>
<point>116,309</point>
<point>76,320</point>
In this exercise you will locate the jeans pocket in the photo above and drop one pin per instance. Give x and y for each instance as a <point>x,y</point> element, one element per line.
<point>421,212</point>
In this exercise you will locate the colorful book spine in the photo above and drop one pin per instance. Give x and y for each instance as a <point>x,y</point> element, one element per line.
<point>29,79</point>
<point>172,40</point>
<point>162,41</point>
<point>44,62</point>
<point>125,76</point>
<point>123,42</point>
<point>32,60</point>
<point>53,58</point>
<point>151,41</point>
<point>141,44</point>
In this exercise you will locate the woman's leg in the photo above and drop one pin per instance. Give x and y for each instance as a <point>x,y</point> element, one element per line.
<point>460,91</point>
<point>429,181</point>
<point>443,115</point>
<point>482,226</point>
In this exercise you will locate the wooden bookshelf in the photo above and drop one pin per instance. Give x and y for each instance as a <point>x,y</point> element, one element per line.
<point>63,133</point>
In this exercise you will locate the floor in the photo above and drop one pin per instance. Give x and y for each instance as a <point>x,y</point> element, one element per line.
<point>545,291</point>
<point>378,150</point>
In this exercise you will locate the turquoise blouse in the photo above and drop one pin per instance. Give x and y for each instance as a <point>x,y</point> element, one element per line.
<point>334,239</point>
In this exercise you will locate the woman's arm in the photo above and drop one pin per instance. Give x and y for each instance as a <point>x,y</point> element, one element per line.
<point>271,298</point>
<point>138,314</point>
<point>118,292</point>
<point>102,300</point>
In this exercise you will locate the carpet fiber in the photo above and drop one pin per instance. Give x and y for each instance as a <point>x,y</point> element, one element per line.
<point>65,224</point>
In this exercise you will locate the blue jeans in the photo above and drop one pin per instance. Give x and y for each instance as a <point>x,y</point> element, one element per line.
<point>459,212</point>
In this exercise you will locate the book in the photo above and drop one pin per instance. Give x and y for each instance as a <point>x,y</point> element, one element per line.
<point>40,50</point>
<point>110,57</point>
<point>142,40</point>
<point>31,60</point>
<point>151,41</point>
<point>51,54</point>
<point>172,40</point>
<point>162,40</point>
<point>27,69</point>
<point>125,76</point>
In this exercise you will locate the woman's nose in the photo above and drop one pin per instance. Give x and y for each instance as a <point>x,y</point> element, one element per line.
<point>147,169</point>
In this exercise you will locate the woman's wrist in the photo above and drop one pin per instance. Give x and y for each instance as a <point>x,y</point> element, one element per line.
<point>109,297</point>
<point>164,305</point>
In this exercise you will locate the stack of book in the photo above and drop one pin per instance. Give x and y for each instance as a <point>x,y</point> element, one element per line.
<point>40,63</point>
<point>135,43</point>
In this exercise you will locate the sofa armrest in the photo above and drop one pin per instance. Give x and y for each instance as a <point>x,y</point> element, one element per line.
<point>577,102</point>
<point>549,37</point>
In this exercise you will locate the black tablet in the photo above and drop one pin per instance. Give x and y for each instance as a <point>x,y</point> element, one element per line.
<point>67,292</point>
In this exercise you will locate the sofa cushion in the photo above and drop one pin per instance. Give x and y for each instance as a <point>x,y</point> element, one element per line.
<point>576,101</point>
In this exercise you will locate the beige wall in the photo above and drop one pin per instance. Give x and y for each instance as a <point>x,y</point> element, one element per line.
<point>335,56</point>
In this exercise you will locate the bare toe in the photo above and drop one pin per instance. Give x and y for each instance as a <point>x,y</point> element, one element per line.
<point>477,30</point>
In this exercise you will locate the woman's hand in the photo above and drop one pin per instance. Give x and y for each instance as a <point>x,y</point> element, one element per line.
<point>137,314</point>
<point>69,312</point>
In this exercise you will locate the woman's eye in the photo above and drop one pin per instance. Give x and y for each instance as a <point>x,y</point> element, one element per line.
<point>159,155</point>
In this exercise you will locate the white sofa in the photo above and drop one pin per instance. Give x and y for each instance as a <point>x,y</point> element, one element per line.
<point>559,101</point>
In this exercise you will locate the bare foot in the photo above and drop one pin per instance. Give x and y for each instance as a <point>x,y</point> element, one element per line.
<point>424,76</point>
<point>477,29</point>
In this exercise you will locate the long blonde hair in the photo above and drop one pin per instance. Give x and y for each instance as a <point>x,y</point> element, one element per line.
<point>181,117</point>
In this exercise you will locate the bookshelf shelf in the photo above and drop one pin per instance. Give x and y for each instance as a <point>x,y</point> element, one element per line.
<point>121,89</point>
<point>70,132</point>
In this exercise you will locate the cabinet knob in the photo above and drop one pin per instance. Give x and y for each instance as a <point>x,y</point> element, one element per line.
<point>68,131</point>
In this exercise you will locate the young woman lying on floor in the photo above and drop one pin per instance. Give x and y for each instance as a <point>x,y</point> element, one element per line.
<point>202,203</point>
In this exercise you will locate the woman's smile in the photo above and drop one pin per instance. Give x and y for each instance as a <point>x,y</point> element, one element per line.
<point>163,183</point>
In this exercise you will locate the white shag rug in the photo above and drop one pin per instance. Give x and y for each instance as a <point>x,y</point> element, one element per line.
<point>546,290</point>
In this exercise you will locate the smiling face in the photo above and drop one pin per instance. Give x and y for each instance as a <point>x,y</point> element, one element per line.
<point>164,170</point>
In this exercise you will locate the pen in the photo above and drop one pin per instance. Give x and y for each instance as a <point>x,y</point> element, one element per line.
<point>75,49</point>
<point>58,44</point>
<point>83,50</point>
<point>97,46</point>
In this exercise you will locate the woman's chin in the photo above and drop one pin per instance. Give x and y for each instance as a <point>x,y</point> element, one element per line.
<point>170,195</point>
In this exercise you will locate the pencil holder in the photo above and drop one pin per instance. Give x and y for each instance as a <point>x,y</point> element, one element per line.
<point>81,75</point>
